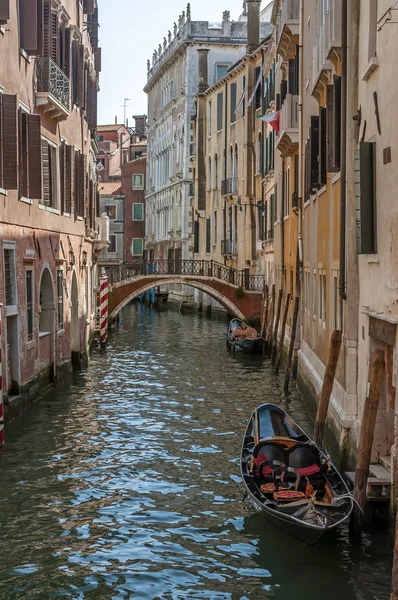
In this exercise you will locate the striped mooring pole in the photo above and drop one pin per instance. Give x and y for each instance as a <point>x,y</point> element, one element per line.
<point>104,289</point>
<point>1,384</point>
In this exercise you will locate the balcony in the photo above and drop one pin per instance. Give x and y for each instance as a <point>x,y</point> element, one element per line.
<point>229,248</point>
<point>288,28</point>
<point>288,138</point>
<point>102,240</point>
<point>229,186</point>
<point>53,89</point>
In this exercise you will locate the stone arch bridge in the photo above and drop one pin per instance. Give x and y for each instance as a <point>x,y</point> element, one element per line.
<point>239,292</point>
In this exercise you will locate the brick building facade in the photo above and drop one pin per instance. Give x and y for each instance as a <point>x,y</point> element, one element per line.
<point>49,68</point>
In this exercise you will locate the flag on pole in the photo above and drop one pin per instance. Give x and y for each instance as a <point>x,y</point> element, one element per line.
<point>271,118</point>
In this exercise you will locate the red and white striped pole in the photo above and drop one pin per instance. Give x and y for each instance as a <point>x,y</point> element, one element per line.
<point>104,290</point>
<point>1,384</point>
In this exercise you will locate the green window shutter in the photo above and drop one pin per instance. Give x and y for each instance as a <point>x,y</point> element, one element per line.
<point>138,212</point>
<point>138,247</point>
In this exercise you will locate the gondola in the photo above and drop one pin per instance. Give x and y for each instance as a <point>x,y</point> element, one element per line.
<point>290,481</point>
<point>243,337</point>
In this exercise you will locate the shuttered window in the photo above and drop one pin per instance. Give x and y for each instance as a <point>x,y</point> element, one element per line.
<point>137,247</point>
<point>29,303</point>
<point>336,121</point>
<point>196,237</point>
<point>8,142</point>
<point>365,174</point>
<point>208,232</point>
<point>50,174</point>
<point>294,74</point>
<point>322,147</point>
<point>314,154</point>
<point>272,216</point>
<point>233,102</point>
<point>88,7</point>
<point>30,30</point>
<point>220,97</point>
<point>4,11</point>
<point>259,89</point>
<point>138,211</point>
<point>295,195</point>
<point>29,149</point>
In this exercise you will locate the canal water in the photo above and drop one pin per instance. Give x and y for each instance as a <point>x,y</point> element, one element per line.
<point>125,483</point>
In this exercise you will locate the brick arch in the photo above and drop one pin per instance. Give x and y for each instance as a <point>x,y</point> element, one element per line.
<point>248,307</point>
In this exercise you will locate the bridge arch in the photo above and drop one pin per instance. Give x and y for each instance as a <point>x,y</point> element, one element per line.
<point>230,306</point>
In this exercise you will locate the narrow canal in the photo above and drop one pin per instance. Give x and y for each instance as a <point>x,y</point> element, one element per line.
<point>125,484</point>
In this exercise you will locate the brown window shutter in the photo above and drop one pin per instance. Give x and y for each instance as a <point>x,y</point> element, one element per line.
<point>83,188</point>
<point>95,103</point>
<point>73,77</point>
<point>10,142</point>
<point>62,172</point>
<point>322,146</point>
<point>314,154</point>
<point>47,39</point>
<point>329,131</point>
<point>69,155</point>
<point>4,11</point>
<point>88,7</point>
<point>86,90</point>
<point>80,76</point>
<point>66,67</point>
<point>54,175</point>
<point>23,153</point>
<point>54,36</point>
<point>34,156</point>
<point>1,141</point>
<point>336,121</point>
<point>28,26</point>
<point>98,60</point>
<point>46,172</point>
<point>76,167</point>
<point>93,27</point>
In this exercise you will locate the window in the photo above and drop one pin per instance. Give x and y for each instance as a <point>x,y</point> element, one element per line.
<point>220,96</point>
<point>365,174</point>
<point>259,152</point>
<point>110,210</point>
<point>60,297</point>
<point>137,247</point>
<point>10,285</point>
<point>307,291</point>
<point>336,302</point>
<point>233,102</point>
<point>112,249</point>
<point>216,172</point>
<point>286,202</point>
<point>221,71</point>
<point>8,142</point>
<point>4,12</point>
<point>209,174</point>
<point>138,212</point>
<point>215,228</point>
<point>29,303</point>
<point>372,43</point>
<point>138,182</point>
<point>209,123</point>
<point>243,95</point>
<point>314,295</point>
<point>322,298</point>
<point>29,148</point>
<point>208,231</point>
<point>49,173</point>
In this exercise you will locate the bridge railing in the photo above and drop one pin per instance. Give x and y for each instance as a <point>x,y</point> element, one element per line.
<point>202,268</point>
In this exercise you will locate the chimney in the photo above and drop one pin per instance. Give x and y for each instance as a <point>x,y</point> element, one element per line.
<point>203,68</point>
<point>140,125</point>
<point>253,25</point>
<point>115,119</point>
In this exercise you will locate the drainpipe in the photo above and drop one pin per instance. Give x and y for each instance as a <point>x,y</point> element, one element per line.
<point>343,153</point>
<point>300,252</point>
<point>282,224</point>
<point>226,213</point>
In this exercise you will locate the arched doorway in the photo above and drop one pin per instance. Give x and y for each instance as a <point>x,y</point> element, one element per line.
<point>75,327</point>
<point>46,323</point>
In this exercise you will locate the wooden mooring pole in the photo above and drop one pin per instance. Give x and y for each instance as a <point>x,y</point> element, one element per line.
<point>271,318</point>
<point>292,342</point>
<point>326,392</point>
<point>276,328</point>
<point>394,595</point>
<point>376,377</point>
<point>264,313</point>
<point>282,339</point>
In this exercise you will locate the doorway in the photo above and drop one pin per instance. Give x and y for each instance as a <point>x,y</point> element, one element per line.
<point>75,327</point>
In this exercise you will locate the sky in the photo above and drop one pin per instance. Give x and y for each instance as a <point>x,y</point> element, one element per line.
<point>129,32</point>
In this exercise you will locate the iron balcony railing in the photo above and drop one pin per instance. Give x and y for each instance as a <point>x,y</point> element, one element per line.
<point>209,269</point>
<point>51,79</point>
<point>229,248</point>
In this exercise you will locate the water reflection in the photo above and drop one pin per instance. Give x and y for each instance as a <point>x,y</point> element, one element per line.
<point>126,482</point>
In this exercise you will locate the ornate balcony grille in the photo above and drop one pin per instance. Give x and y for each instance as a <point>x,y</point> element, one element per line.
<point>51,79</point>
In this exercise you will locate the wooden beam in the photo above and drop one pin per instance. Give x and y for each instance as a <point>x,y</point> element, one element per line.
<point>376,378</point>
<point>328,381</point>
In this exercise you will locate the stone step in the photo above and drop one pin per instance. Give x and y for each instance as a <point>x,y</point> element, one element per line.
<point>385,462</point>
<point>379,483</point>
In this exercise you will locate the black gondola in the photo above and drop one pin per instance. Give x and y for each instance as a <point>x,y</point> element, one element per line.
<point>250,342</point>
<point>290,481</point>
